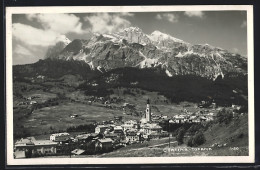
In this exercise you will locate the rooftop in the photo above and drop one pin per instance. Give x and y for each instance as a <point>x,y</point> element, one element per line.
<point>152,126</point>
<point>106,140</point>
<point>44,142</point>
<point>26,141</point>
<point>61,134</point>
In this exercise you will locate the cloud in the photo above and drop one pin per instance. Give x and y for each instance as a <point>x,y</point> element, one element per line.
<point>167,16</point>
<point>198,14</point>
<point>19,49</point>
<point>33,36</point>
<point>244,24</point>
<point>61,23</point>
<point>24,53</point>
<point>107,23</point>
<point>31,43</point>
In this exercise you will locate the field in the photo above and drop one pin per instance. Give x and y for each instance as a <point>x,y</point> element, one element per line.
<point>57,118</point>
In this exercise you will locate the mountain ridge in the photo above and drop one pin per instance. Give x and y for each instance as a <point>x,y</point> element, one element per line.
<point>133,48</point>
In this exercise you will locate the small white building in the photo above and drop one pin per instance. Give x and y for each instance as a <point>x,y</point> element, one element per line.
<point>152,127</point>
<point>132,137</point>
<point>60,137</point>
<point>129,125</point>
<point>101,128</point>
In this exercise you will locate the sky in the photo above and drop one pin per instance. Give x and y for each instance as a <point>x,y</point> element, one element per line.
<point>32,34</point>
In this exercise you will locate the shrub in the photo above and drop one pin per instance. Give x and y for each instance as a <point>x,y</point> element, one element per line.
<point>180,135</point>
<point>196,140</point>
<point>224,116</point>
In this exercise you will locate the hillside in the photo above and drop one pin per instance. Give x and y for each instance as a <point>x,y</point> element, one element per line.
<point>236,140</point>
<point>177,89</point>
<point>53,68</point>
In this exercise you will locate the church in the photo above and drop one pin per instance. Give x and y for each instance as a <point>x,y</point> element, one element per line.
<point>147,125</point>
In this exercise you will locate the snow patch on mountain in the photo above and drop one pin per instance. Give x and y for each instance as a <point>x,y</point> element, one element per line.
<point>91,65</point>
<point>179,55</point>
<point>99,69</point>
<point>159,36</point>
<point>168,73</point>
<point>147,62</point>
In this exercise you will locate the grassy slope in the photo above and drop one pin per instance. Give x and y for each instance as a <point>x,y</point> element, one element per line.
<point>216,134</point>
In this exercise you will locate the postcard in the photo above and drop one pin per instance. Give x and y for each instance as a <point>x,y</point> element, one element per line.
<point>130,84</point>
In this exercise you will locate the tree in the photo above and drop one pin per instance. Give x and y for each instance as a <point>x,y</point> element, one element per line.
<point>180,135</point>
<point>224,116</point>
<point>197,139</point>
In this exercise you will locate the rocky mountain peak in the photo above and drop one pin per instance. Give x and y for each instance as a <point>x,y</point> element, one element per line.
<point>159,36</point>
<point>131,47</point>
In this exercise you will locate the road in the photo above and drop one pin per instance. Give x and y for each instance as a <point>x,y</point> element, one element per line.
<point>153,146</point>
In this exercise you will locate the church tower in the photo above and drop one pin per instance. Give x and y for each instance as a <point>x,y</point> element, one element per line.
<point>148,111</point>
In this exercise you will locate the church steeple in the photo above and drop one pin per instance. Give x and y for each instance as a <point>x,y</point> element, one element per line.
<point>148,111</point>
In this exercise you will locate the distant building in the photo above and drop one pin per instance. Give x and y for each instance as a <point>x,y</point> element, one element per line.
<point>74,115</point>
<point>118,130</point>
<point>33,102</point>
<point>129,125</point>
<point>154,135</point>
<point>149,128</point>
<point>39,146</point>
<point>101,128</point>
<point>29,141</point>
<point>112,136</point>
<point>45,146</point>
<point>19,154</point>
<point>118,118</point>
<point>83,138</point>
<point>104,144</point>
<point>132,137</point>
<point>60,137</point>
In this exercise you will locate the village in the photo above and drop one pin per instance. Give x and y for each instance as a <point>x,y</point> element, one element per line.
<point>110,135</point>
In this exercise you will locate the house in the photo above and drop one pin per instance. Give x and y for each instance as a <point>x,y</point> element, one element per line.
<point>35,146</point>
<point>164,117</point>
<point>45,147</point>
<point>101,128</point>
<point>111,136</point>
<point>74,115</point>
<point>60,137</point>
<point>129,125</point>
<point>25,141</point>
<point>83,138</point>
<point>152,127</point>
<point>171,121</point>
<point>33,102</point>
<point>192,119</point>
<point>132,137</point>
<point>19,154</point>
<point>164,133</point>
<point>118,118</point>
<point>118,130</point>
<point>203,119</point>
<point>154,135</point>
<point>104,144</point>
<point>95,136</point>
<point>179,120</point>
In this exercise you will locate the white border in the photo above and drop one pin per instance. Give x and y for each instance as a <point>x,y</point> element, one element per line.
<point>131,160</point>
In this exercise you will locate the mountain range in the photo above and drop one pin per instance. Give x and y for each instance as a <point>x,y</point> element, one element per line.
<point>131,47</point>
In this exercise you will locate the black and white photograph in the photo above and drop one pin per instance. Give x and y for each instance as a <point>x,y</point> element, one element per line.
<point>130,84</point>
